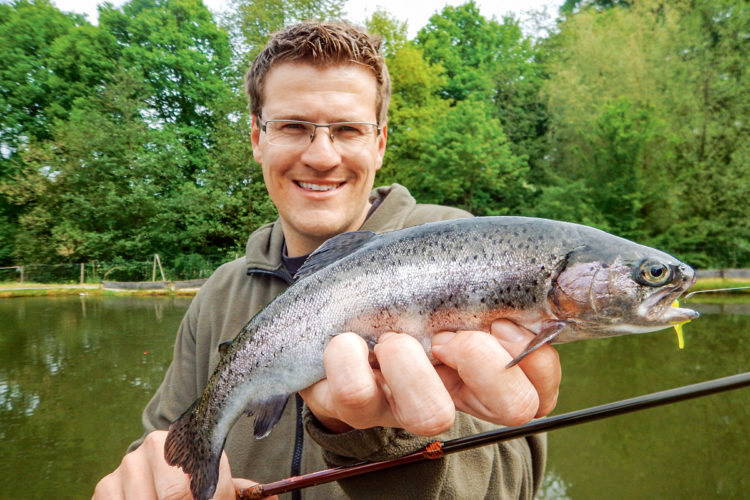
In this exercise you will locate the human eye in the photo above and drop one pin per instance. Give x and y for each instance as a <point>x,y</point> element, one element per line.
<point>293,127</point>
<point>349,130</point>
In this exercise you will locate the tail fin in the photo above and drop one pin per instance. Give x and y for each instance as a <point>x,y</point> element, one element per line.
<point>190,449</point>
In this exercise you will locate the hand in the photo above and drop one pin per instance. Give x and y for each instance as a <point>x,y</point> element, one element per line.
<point>407,391</point>
<point>474,374</point>
<point>144,474</point>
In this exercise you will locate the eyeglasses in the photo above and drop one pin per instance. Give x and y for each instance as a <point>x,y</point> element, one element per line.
<point>297,133</point>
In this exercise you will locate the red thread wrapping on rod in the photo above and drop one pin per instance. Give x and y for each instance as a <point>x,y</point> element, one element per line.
<point>433,450</point>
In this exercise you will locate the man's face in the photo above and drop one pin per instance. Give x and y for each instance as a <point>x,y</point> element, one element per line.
<point>320,189</point>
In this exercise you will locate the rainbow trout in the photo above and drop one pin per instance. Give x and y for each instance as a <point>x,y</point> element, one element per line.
<point>560,280</point>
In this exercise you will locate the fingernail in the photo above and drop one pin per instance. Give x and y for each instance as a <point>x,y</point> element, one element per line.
<point>442,338</point>
<point>508,332</point>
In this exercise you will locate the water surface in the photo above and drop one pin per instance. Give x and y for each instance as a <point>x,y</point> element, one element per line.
<point>692,449</point>
<point>75,373</point>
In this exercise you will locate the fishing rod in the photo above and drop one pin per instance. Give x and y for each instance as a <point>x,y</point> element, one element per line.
<point>438,449</point>
<point>716,290</point>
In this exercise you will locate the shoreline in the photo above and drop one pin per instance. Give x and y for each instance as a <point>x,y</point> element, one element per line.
<point>12,290</point>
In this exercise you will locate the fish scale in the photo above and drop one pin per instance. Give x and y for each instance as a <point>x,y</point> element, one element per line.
<point>560,280</point>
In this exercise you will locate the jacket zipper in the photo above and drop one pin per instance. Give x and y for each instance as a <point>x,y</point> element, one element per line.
<point>299,441</point>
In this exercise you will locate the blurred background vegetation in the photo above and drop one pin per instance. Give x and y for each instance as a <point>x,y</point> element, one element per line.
<point>131,137</point>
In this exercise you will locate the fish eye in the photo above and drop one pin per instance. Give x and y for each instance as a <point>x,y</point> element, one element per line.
<point>653,273</point>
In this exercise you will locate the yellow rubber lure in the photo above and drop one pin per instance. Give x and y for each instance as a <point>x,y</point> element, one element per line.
<point>678,329</point>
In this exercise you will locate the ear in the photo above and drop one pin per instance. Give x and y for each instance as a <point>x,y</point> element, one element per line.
<point>382,141</point>
<point>255,139</point>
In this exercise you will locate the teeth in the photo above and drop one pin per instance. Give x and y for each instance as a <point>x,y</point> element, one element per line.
<point>318,187</point>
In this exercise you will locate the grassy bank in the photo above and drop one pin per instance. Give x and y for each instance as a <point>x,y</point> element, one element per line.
<point>718,283</point>
<point>10,290</point>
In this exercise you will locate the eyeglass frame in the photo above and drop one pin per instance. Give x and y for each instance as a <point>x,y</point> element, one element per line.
<point>316,126</point>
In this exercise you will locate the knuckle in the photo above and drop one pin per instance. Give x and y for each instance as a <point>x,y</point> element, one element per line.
<point>356,395</point>
<point>547,405</point>
<point>397,345</point>
<point>175,491</point>
<point>521,407</point>
<point>154,440</point>
<point>130,462</point>
<point>435,422</point>
<point>479,349</point>
<point>105,488</point>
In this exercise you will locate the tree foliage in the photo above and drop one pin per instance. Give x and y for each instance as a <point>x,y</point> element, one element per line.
<point>447,140</point>
<point>252,21</point>
<point>648,126</point>
<point>132,137</point>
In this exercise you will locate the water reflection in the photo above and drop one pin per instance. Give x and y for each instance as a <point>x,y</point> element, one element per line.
<point>75,373</point>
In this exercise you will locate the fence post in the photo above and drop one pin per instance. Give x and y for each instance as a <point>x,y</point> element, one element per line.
<point>153,276</point>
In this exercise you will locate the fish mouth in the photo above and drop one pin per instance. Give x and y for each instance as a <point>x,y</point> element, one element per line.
<point>659,308</point>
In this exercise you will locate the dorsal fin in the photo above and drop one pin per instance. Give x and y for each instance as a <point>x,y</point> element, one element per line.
<point>332,250</point>
<point>224,347</point>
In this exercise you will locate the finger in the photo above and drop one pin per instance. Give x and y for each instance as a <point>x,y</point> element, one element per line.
<point>169,482</point>
<point>541,367</point>
<point>480,384</point>
<point>110,487</point>
<point>350,393</point>
<point>225,485</point>
<point>243,484</point>
<point>143,474</point>
<point>417,396</point>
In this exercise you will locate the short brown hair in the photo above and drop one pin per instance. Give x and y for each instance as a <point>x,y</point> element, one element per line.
<point>321,44</point>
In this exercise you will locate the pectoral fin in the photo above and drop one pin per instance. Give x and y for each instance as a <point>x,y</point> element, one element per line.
<point>550,329</point>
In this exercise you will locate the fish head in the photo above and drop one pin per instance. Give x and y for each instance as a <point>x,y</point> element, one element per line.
<point>611,290</point>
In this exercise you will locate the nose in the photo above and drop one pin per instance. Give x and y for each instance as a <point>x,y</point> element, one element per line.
<point>687,273</point>
<point>321,154</point>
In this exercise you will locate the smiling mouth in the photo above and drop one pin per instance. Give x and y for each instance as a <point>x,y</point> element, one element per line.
<point>318,187</point>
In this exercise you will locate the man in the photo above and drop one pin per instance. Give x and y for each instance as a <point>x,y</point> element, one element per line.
<point>319,94</point>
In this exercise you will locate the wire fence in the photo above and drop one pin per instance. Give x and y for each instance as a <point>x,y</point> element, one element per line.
<point>185,267</point>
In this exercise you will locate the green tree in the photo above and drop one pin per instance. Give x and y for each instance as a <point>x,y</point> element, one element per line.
<point>481,66</point>
<point>647,125</point>
<point>104,186</point>
<point>233,183</point>
<point>251,22</point>
<point>184,57</point>
<point>710,108</point>
<point>468,164</point>
<point>415,108</point>
<point>38,78</point>
<point>618,157</point>
<point>50,59</point>
<point>492,61</point>
<point>466,45</point>
<point>391,30</point>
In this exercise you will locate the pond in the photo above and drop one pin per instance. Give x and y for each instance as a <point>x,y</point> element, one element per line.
<point>75,373</point>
